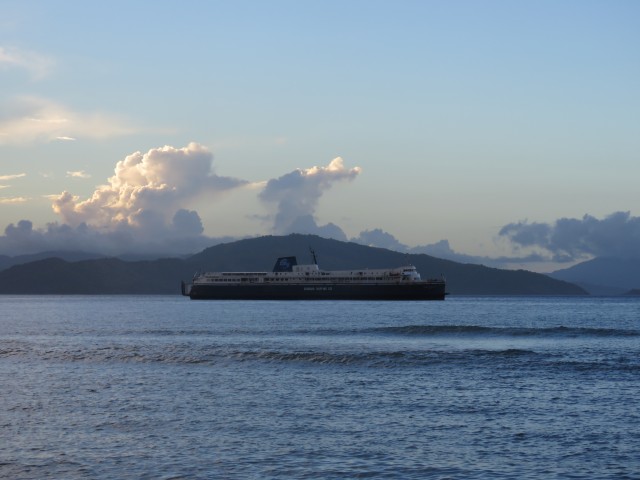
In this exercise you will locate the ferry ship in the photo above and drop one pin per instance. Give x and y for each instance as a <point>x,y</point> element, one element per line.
<point>290,281</point>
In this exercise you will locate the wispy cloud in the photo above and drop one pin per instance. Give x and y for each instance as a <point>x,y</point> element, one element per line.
<point>31,119</point>
<point>38,66</point>
<point>4,178</point>
<point>78,174</point>
<point>12,177</point>
<point>11,200</point>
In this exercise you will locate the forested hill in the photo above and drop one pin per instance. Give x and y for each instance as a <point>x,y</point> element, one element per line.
<point>113,276</point>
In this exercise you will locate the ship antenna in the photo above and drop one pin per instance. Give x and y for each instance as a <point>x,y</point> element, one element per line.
<point>313,254</point>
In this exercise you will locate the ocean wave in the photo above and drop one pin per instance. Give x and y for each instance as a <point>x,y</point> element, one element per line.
<point>214,355</point>
<point>226,355</point>
<point>475,330</point>
<point>384,358</point>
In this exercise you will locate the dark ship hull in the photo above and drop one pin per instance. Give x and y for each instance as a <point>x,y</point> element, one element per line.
<point>428,290</point>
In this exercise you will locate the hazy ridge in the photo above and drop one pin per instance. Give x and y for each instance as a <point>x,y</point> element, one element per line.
<point>604,275</point>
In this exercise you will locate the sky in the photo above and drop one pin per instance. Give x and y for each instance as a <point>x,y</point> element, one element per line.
<point>495,132</point>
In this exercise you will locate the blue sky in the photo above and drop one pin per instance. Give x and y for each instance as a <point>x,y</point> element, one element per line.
<point>493,125</point>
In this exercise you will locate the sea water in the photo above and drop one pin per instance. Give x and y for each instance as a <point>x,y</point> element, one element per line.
<point>161,387</point>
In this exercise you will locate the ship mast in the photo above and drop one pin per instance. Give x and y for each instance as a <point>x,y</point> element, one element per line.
<point>313,255</point>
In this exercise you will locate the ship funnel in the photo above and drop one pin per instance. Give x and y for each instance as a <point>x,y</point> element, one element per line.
<point>285,264</point>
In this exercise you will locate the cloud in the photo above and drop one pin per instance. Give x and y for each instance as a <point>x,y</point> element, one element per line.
<point>307,224</point>
<point>78,174</point>
<point>296,195</point>
<point>36,64</point>
<point>144,206</point>
<point>570,239</point>
<point>187,222</point>
<point>147,190</point>
<point>22,238</point>
<point>441,249</point>
<point>381,239</point>
<point>12,200</point>
<point>566,240</point>
<point>12,177</point>
<point>31,119</point>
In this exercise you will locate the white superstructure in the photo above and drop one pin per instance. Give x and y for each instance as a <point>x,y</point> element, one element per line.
<point>311,274</point>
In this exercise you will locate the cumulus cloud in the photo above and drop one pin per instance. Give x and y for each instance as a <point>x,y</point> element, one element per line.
<point>570,239</point>
<point>144,206</point>
<point>29,119</point>
<point>147,190</point>
<point>36,64</point>
<point>307,224</point>
<point>295,196</point>
<point>381,239</point>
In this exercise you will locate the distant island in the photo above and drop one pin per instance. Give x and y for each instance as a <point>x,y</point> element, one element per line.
<point>55,275</point>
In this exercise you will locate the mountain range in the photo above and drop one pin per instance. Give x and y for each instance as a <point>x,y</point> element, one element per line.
<point>604,275</point>
<point>70,256</point>
<point>84,273</point>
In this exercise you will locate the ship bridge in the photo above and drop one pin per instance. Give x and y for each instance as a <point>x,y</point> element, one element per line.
<point>306,269</point>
